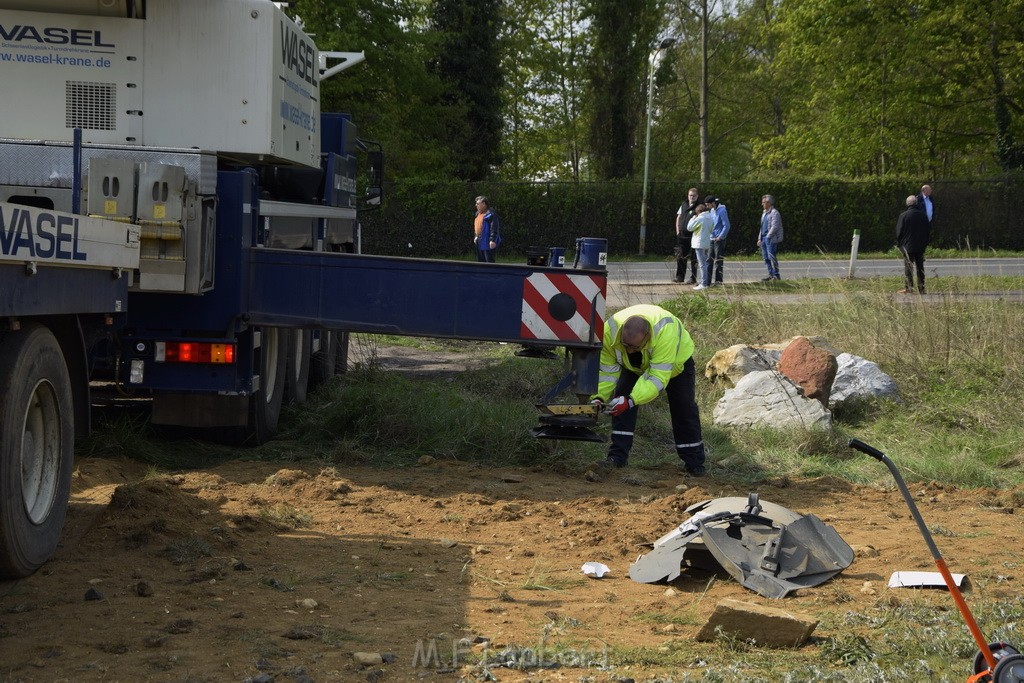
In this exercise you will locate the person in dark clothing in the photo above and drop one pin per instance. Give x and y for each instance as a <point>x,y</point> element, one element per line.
<point>486,234</point>
<point>684,252</point>
<point>912,233</point>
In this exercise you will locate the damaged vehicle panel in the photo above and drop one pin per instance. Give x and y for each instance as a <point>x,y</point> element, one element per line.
<point>767,548</point>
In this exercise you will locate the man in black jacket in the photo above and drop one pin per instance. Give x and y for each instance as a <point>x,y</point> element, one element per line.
<point>912,233</point>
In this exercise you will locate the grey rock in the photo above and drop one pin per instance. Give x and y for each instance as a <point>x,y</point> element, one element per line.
<point>368,658</point>
<point>766,626</point>
<point>858,378</point>
<point>767,399</point>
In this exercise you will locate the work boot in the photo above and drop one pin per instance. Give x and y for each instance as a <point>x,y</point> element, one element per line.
<point>600,470</point>
<point>692,460</point>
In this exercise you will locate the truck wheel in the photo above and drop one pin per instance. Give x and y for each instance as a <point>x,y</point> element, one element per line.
<point>299,358</point>
<point>36,448</point>
<point>265,404</point>
<point>322,364</point>
<point>341,356</point>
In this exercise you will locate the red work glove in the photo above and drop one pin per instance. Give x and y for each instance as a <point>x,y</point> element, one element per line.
<point>619,405</point>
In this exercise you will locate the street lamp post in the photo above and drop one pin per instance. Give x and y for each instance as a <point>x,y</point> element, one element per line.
<point>666,43</point>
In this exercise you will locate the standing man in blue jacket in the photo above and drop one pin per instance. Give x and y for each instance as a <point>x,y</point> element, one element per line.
<point>718,235</point>
<point>486,233</point>
<point>770,236</point>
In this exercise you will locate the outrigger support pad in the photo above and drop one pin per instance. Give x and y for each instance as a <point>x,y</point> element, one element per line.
<point>572,421</point>
<point>767,548</point>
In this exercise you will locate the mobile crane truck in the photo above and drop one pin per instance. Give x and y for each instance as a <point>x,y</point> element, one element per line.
<point>179,220</point>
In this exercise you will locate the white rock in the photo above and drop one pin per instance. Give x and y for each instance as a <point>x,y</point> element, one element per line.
<point>858,378</point>
<point>767,399</point>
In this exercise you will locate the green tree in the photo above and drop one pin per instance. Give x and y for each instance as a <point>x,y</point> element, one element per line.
<point>985,52</point>
<point>545,115</point>
<point>468,61</point>
<point>894,87</point>
<point>392,97</point>
<point>622,34</point>
<point>738,99</point>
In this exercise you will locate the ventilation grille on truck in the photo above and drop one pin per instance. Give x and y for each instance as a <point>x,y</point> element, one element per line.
<point>92,106</point>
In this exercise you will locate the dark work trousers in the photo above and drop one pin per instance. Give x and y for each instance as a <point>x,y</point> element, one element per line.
<point>685,254</point>
<point>716,258</point>
<point>912,262</point>
<point>485,255</point>
<point>682,406</point>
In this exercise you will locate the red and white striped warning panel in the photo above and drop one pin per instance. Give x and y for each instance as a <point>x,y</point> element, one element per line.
<point>561,307</point>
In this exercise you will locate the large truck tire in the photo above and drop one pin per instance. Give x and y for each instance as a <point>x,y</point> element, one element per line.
<point>265,404</point>
<point>341,356</point>
<point>299,359</point>
<point>321,368</point>
<point>36,448</point>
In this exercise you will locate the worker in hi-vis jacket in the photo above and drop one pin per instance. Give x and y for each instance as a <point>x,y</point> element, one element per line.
<point>647,352</point>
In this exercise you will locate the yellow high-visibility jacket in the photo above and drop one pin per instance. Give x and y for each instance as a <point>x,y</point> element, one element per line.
<point>669,348</point>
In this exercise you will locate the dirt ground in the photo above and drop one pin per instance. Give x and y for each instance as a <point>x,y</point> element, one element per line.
<point>268,572</point>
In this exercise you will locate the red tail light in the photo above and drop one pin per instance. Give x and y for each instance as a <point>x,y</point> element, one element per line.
<point>193,352</point>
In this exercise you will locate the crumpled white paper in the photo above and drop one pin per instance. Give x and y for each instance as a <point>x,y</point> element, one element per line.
<point>595,570</point>
<point>922,580</point>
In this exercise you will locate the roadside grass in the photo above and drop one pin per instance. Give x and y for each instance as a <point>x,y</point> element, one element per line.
<point>956,360</point>
<point>391,420</point>
<point>128,434</point>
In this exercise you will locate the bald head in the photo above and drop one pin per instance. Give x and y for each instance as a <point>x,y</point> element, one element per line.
<point>635,331</point>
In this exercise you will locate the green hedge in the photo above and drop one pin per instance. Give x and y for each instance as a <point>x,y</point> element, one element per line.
<point>435,219</point>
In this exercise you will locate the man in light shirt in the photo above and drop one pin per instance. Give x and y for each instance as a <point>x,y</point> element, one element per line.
<point>924,202</point>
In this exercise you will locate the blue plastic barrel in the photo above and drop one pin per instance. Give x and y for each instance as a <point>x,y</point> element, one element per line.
<point>591,253</point>
<point>556,259</point>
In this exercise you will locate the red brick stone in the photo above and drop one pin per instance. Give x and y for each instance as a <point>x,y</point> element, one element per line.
<point>811,368</point>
